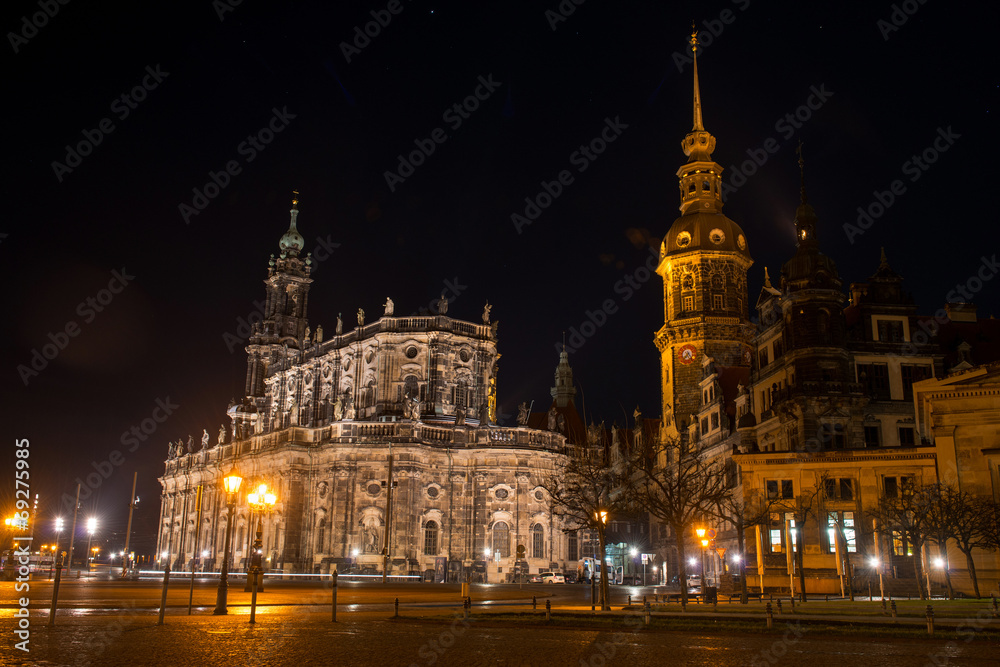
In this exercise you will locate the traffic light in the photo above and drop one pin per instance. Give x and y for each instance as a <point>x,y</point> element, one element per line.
<point>520,552</point>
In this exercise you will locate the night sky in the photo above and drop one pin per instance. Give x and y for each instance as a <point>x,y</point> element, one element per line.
<point>335,123</point>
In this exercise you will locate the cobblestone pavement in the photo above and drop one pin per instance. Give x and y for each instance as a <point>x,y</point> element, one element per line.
<point>285,637</point>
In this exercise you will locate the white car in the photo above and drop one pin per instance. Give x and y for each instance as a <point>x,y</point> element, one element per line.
<point>553,578</point>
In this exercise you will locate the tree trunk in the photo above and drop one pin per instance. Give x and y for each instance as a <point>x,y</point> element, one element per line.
<point>681,565</point>
<point>740,544</point>
<point>605,603</point>
<point>918,570</point>
<point>972,571</point>
<point>943,551</point>
<point>799,556</point>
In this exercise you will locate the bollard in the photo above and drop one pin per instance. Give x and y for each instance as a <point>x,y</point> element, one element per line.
<point>630,599</point>
<point>645,605</point>
<point>930,620</point>
<point>792,600</point>
<point>643,600</point>
<point>334,586</point>
<point>253,596</point>
<point>826,598</point>
<point>534,602</point>
<point>397,609</point>
<point>592,593</point>
<point>656,597</point>
<point>769,615</point>
<point>548,610</point>
<point>466,605</point>
<point>883,608</point>
<point>892,608</point>
<point>163,596</point>
<point>779,606</point>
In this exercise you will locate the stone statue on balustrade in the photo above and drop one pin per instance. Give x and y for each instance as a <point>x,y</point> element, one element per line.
<point>190,444</point>
<point>222,435</point>
<point>553,416</point>
<point>459,416</point>
<point>204,438</point>
<point>442,305</point>
<point>522,414</point>
<point>389,306</point>
<point>340,325</point>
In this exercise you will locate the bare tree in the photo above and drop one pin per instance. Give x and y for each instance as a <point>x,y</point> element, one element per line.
<point>905,517</point>
<point>802,508</point>
<point>588,492</point>
<point>745,511</point>
<point>678,486</point>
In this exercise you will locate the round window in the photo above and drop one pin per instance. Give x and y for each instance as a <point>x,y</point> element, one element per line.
<point>539,495</point>
<point>717,236</point>
<point>374,488</point>
<point>501,494</point>
<point>741,242</point>
<point>464,355</point>
<point>432,492</point>
<point>411,352</point>
<point>684,239</point>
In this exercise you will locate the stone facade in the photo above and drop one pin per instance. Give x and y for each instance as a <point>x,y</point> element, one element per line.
<point>326,423</point>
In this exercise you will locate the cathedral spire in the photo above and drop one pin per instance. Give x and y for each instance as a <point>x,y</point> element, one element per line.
<point>698,124</point>
<point>767,279</point>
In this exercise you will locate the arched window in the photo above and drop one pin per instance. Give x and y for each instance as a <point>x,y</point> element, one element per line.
<point>320,533</point>
<point>537,541</point>
<point>431,538</point>
<point>573,547</point>
<point>501,539</point>
<point>239,538</point>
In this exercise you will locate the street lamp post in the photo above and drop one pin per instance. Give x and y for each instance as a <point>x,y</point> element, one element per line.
<point>59,527</point>
<point>231,483</point>
<point>91,527</point>
<point>260,501</point>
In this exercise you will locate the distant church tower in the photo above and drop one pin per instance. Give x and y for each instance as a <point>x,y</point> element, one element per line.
<point>564,392</point>
<point>703,262</point>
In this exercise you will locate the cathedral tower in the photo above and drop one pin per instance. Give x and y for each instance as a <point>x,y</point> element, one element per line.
<point>285,307</point>
<point>703,262</point>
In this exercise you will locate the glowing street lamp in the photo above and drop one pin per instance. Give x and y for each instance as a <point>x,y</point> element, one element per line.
<point>231,483</point>
<point>261,501</point>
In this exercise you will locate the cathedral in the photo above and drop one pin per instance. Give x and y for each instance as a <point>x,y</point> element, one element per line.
<point>381,446</point>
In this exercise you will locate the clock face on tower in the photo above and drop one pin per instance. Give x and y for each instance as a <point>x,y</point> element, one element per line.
<point>687,354</point>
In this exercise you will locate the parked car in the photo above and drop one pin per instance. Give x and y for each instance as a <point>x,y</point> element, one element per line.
<point>535,579</point>
<point>553,578</point>
<point>694,581</point>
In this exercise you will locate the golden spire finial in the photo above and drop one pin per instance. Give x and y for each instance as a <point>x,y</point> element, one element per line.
<point>767,279</point>
<point>698,125</point>
<point>295,199</point>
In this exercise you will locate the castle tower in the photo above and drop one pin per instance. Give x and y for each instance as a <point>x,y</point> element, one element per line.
<point>703,262</point>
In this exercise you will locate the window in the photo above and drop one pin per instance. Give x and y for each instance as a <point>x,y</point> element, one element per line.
<point>762,358</point>
<point>875,379</point>
<point>501,539</point>
<point>704,425</point>
<point>717,302</point>
<point>776,532</point>
<point>844,521</point>
<point>688,303</point>
<point>538,541</point>
<point>715,420</point>
<point>573,547</point>
<point>780,488</point>
<point>890,331</point>
<point>839,489</point>
<point>900,545</point>
<point>431,538</point>
<point>906,436</point>
<point>913,373</point>
<point>872,436</point>
<point>777,348</point>
<point>892,487</point>
<point>320,534</point>
<point>832,436</point>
